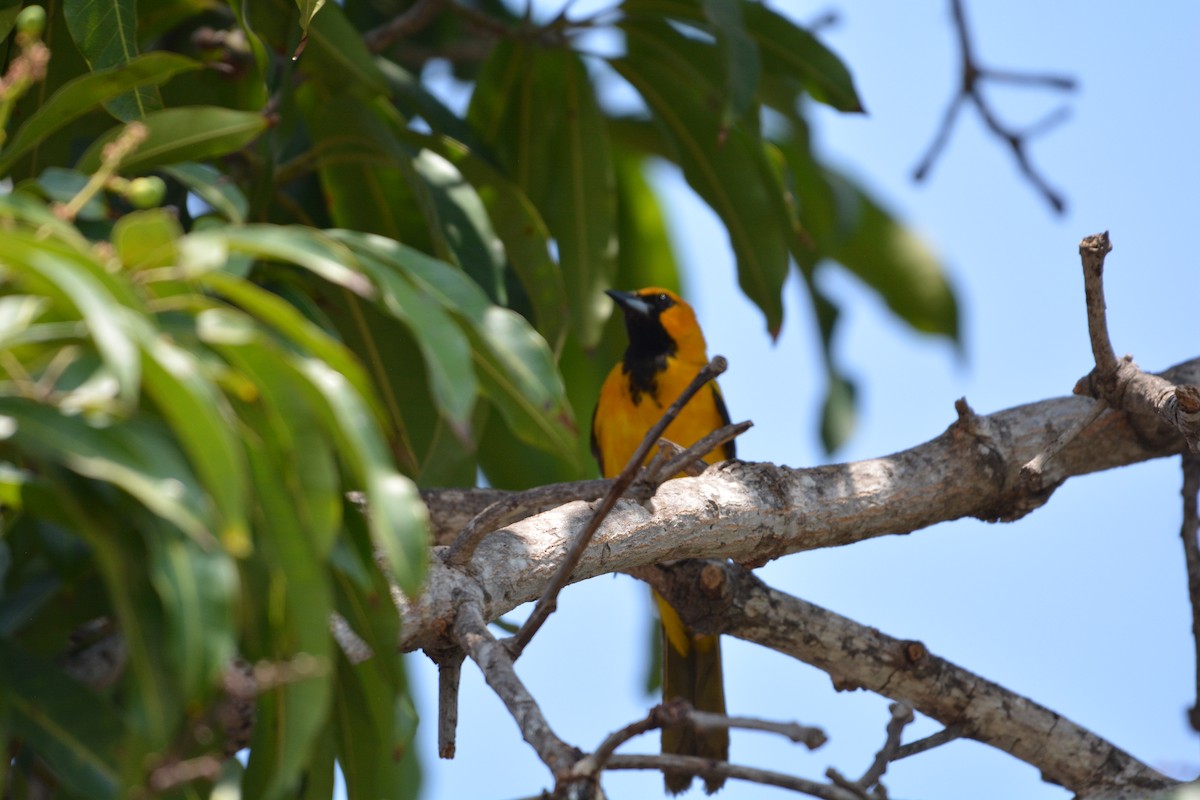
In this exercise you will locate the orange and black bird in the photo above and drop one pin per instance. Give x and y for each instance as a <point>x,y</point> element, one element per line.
<point>666,351</point>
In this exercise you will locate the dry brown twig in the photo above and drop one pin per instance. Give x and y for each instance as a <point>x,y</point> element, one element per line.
<point>1119,381</point>
<point>902,715</point>
<point>970,91</point>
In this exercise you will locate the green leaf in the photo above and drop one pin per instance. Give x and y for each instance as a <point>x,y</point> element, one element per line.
<point>787,52</point>
<point>75,731</point>
<point>444,347</point>
<point>76,287</point>
<point>838,414</point>
<point>294,617</point>
<point>145,239</point>
<point>367,174</point>
<point>105,31</point>
<point>514,365</point>
<point>286,320</point>
<point>281,415</point>
<point>137,459</point>
<point>305,247</point>
<point>213,187</point>
<point>8,18</point>
<point>175,135</point>
<point>740,54</point>
<point>790,51</point>
<point>79,96</point>
<point>308,10</point>
<point>537,109</point>
<point>726,167</point>
<point>399,521</point>
<point>373,735</point>
<point>62,185</point>
<point>155,705</point>
<point>200,419</point>
<point>466,226</point>
<point>891,259</point>
<point>523,233</point>
<point>198,589</point>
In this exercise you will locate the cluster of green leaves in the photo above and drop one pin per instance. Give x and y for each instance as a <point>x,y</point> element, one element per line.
<point>354,287</point>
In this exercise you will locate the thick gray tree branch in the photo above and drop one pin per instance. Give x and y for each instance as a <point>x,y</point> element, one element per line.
<point>733,601</point>
<point>754,513</point>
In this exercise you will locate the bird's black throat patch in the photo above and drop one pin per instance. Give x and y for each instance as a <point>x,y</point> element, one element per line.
<point>650,346</point>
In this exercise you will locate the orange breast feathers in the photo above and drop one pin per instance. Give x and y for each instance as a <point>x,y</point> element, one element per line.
<point>666,351</point>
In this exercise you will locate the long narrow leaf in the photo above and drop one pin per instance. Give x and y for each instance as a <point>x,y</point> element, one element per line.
<point>77,97</point>
<point>105,31</point>
<point>175,135</point>
<point>77,732</point>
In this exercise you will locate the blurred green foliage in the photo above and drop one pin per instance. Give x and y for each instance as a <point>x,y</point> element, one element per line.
<point>331,282</point>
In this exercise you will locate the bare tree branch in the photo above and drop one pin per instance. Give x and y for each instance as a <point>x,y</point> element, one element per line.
<point>497,667</point>
<point>1190,531</point>
<point>1092,251</point>
<point>856,656</point>
<point>414,19</point>
<point>758,512</point>
<point>1120,382</point>
<point>902,715</point>
<point>971,91</point>
<point>706,768</point>
<point>944,736</point>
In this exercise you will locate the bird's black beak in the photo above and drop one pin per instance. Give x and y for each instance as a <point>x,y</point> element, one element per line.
<point>629,302</point>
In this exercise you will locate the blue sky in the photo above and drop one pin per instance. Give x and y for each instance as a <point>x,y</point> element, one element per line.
<point>1082,605</point>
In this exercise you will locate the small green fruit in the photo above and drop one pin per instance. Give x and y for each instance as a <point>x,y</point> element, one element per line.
<point>146,192</point>
<point>32,21</point>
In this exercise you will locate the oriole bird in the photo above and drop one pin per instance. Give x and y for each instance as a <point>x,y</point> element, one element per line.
<point>666,350</point>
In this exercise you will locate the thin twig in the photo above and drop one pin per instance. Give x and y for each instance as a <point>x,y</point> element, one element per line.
<point>449,676</point>
<point>707,768</point>
<point>496,664</point>
<point>414,19</point>
<point>902,715</point>
<point>547,602</point>
<point>680,712</point>
<point>699,450</point>
<point>1092,251</point>
<point>970,90</point>
<point>1190,530</point>
<point>807,735</point>
<point>944,736</point>
<point>1031,473</point>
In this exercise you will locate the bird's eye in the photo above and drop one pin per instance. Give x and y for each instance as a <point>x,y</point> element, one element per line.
<point>663,300</point>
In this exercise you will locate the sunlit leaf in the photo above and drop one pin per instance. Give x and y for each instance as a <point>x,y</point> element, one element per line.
<point>514,365</point>
<point>176,135</point>
<point>145,239</point>
<point>308,9</point>
<point>523,233</point>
